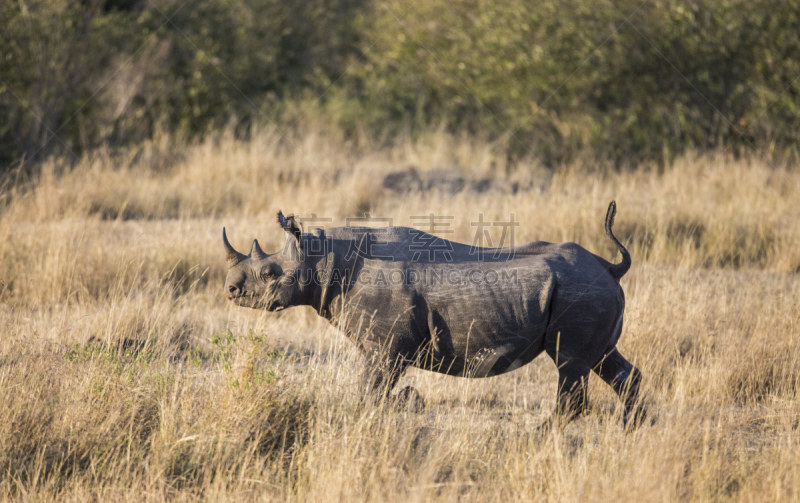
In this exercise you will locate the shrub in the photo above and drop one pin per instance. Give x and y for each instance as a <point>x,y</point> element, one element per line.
<point>559,80</point>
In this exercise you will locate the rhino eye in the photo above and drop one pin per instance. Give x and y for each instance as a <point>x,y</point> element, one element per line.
<point>268,271</point>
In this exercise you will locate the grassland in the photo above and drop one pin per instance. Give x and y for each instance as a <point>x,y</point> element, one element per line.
<point>126,375</point>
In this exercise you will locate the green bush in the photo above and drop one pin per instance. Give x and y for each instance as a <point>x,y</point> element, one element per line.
<point>118,71</point>
<point>52,54</point>
<point>638,80</point>
<point>624,82</point>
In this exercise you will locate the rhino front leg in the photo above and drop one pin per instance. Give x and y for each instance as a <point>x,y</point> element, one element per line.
<point>381,378</point>
<point>382,375</point>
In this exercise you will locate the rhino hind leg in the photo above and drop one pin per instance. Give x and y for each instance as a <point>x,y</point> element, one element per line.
<point>625,379</point>
<point>573,388</point>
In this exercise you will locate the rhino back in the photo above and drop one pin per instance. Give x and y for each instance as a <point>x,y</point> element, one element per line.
<point>405,244</point>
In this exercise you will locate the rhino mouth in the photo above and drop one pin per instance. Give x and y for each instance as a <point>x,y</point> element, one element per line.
<point>244,299</point>
<point>266,301</point>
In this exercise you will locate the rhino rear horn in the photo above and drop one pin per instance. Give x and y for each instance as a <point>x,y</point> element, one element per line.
<point>231,255</point>
<point>256,252</point>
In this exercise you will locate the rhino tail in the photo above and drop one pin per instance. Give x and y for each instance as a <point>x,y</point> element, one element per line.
<point>617,270</point>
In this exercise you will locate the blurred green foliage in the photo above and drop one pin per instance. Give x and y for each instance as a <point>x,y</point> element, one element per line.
<point>622,81</point>
<point>625,80</point>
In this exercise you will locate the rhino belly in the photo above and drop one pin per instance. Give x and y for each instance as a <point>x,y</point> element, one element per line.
<point>481,346</point>
<point>488,329</point>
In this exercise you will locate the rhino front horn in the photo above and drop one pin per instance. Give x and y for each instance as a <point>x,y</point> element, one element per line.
<point>256,252</point>
<point>231,255</point>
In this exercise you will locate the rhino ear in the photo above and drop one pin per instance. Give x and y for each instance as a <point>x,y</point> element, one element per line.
<point>290,225</point>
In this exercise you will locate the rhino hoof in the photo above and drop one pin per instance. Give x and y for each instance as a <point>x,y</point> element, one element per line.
<point>544,429</point>
<point>635,418</point>
<point>409,399</point>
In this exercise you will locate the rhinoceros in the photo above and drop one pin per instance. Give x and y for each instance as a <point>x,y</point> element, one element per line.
<point>408,298</point>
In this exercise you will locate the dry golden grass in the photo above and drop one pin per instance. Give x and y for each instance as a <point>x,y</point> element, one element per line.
<point>126,375</point>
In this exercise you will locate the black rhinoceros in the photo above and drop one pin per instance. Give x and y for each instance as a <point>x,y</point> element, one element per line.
<point>409,298</point>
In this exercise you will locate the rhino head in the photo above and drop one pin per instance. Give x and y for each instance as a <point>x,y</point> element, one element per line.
<point>271,281</point>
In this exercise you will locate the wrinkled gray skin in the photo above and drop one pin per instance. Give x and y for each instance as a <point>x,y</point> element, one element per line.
<point>456,311</point>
